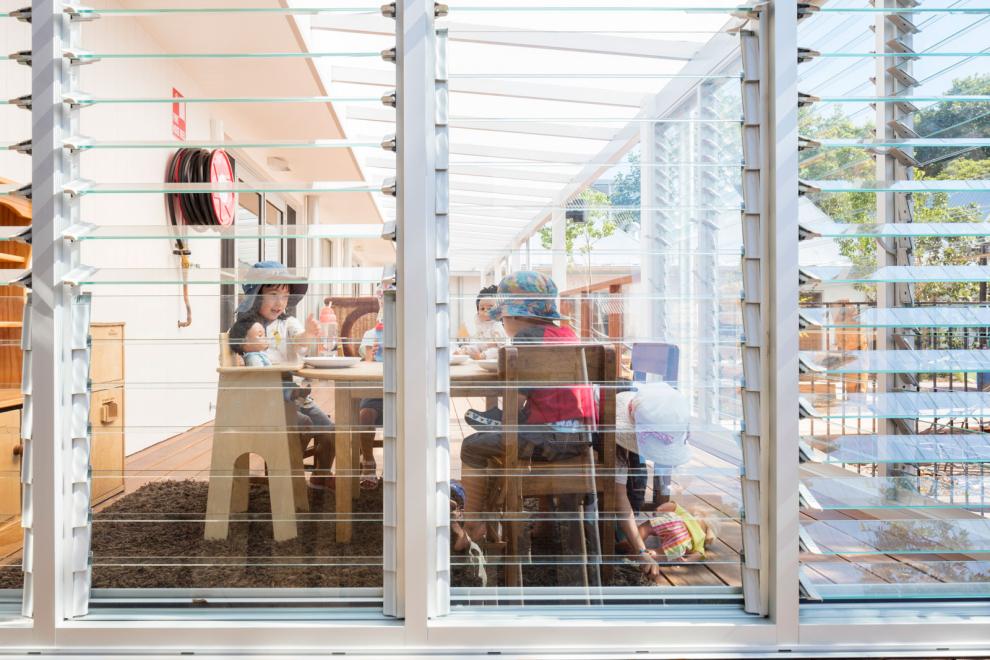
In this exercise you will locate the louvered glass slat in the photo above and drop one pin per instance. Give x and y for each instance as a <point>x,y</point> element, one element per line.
<point>171,276</point>
<point>904,317</point>
<point>980,98</point>
<point>95,232</point>
<point>858,492</point>
<point>896,361</point>
<point>152,11</point>
<point>898,230</point>
<point>314,187</point>
<point>895,274</point>
<point>83,99</point>
<point>92,57</point>
<point>919,536</point>
<point>947,447</point>
<point>893,580</point>
<point>86,144</point>
<point>841,143</point>
<point>904,405</point>
<point>945,7</point>
<point>922,186</point>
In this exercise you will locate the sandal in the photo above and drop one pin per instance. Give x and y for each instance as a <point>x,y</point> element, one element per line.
<point>369,475</point>
<point>322,482</point>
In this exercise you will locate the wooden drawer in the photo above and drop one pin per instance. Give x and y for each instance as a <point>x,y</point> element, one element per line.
<point>10,464</point>
<point>106,416</point>
<point>107,355</point>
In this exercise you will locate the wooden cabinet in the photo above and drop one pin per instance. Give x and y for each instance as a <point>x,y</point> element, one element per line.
<point>14,212</point>
<point>106,359</point>
<point>106,409</point>
<point>10,464</point>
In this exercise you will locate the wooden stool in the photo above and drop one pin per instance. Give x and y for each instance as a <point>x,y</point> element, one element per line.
<point>254,418</point>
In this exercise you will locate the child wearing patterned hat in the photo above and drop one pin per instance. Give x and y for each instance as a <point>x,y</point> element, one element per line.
<point>556,419</point>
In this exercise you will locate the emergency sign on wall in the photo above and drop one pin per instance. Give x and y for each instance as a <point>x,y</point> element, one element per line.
<point>178,116</point>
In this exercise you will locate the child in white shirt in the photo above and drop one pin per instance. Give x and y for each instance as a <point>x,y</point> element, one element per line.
<point>269,294</point>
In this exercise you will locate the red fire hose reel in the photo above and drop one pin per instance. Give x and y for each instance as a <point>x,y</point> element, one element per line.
<point>211,209</point>
<point>203,167</point>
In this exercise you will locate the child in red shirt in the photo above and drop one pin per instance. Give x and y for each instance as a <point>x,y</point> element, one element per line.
<point>556,419</point>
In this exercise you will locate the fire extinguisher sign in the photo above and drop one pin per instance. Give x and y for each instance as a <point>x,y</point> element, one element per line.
<point>178,116</point>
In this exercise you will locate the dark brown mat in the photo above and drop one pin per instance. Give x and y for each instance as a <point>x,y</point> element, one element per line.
<point>153,538</point>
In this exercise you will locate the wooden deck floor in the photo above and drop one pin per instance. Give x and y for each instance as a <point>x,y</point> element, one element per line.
<point>187,456</point>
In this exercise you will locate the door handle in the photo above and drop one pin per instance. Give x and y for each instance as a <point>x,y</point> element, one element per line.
<point>109,411</point>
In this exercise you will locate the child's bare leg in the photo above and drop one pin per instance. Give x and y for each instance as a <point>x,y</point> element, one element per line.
<point>367,418</point>
<point>475,483</point>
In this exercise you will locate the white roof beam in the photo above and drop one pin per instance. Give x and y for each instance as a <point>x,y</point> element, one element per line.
<point>576,41</point>
<point>476,211</point>
<point>548,129</point>
<point>495,87</point>
<point>384,115</point>
<point>543,128</point>
<point>499,202</point>
<point>485,171</point>
<point>495,189</point>
<point>715,54</point>
<point>516,153</point>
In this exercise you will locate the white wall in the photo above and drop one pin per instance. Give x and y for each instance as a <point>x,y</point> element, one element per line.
<point>15,80</point>
<point>463,290</point>
<point>170,373</point>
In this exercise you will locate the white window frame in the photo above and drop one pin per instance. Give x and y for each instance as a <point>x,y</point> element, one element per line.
<point>419,470</point>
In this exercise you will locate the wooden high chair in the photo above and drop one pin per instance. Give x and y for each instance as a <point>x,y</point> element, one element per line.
<point>253,417</point>
<point>550,365</point>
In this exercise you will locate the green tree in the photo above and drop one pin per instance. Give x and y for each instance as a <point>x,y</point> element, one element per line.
<point>928,207</point>
<point>934,251</point>
<point>625,192</point>
<point>955,120</point>
<point>581,237</point>
<point>847,163</point>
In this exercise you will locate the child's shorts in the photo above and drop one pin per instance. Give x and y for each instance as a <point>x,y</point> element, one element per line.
<point>478,448</point>
<point>374,404</point>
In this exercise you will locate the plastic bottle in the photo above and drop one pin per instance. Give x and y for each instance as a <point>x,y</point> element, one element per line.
<point>379,342</point>
<point>328,328</point>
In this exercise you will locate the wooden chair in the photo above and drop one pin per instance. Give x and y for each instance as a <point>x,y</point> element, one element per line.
<point>565,366</point>
<point>253,417</point>
<point>355,316</point>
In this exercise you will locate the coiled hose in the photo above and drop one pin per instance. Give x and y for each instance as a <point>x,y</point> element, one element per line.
<point>196,209</point>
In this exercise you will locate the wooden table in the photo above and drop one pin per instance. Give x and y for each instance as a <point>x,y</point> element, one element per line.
<point>365,380</point>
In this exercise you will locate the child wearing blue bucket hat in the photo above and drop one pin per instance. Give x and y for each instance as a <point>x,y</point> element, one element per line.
<point>271,293</point>
<point>556,419</point>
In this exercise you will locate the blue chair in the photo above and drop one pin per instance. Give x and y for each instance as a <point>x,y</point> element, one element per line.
<point>655,359</point>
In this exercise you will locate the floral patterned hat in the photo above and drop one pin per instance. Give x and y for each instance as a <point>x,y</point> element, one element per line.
<point>526,294</point>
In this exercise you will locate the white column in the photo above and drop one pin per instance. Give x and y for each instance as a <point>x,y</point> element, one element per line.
<point>558,224</point>
<point>344,257</point>
<point>892,207</point>
<point>315,256</point>
<point>646,310</point>
<point>49,569</point>
<point>416,302</point>
<point>781,554</point>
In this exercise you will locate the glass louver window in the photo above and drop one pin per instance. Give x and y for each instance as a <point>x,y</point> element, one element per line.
<point>894,400</point>
<point>209,436</point>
